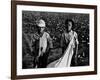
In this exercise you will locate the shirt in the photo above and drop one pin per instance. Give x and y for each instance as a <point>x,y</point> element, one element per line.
<point>45,41</point>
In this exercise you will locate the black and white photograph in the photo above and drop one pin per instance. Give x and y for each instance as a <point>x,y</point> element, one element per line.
<point>52,39</point>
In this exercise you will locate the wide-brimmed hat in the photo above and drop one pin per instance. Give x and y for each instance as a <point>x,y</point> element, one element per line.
<point>41,23</point>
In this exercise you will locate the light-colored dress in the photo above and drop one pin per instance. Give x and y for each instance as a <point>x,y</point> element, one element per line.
<point>65,60</point>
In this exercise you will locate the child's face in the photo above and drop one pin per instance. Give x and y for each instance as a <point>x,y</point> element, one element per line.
<point>42,29</point>
<point>69,25</point>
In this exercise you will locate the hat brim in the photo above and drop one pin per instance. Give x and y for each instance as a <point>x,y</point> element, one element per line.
<point>41,25</point>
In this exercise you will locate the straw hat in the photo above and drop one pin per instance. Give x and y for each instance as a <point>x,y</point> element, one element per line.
<point>41,23</point>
